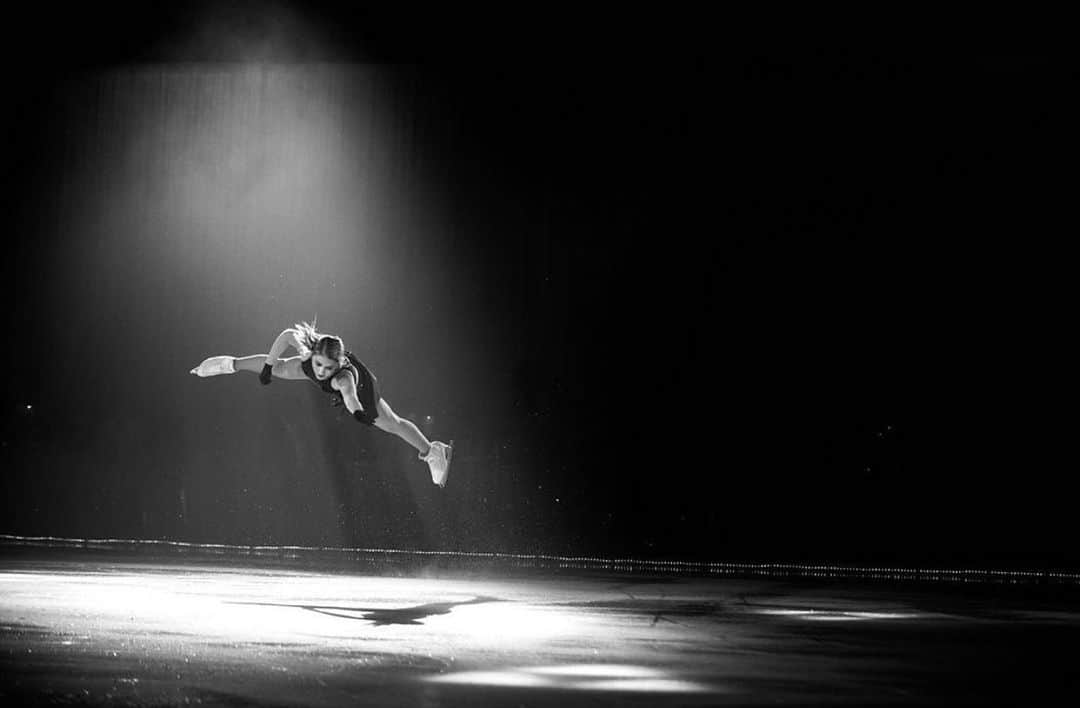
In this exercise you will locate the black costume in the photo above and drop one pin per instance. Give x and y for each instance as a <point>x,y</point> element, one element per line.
<point>366,386</point>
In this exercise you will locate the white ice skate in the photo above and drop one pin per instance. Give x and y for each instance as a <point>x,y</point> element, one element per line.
<point>215,366</point>
<point>438,459</point>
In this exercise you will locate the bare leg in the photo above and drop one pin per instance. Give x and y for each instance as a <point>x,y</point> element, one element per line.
<point>253,363</point>
<point>405,429</point>
<point>225,364</point>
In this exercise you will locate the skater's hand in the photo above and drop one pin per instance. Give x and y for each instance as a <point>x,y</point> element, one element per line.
<point>266,374</point>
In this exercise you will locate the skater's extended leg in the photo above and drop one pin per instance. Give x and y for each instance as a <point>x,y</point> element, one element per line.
<point>405,429</point>
<point>435,454</point>
<point>217,365</point>
<point>253,363</point>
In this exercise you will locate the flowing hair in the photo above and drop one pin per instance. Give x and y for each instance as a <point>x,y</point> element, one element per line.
<point>311,342</point>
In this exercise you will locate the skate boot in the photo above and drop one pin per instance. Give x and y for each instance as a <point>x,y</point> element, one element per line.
<point>438,459</point>
<point>214,366</point>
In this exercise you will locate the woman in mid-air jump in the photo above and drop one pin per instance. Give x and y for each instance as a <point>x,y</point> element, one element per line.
<point>324,360</point>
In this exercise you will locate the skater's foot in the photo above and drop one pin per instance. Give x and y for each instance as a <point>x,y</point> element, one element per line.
<point>214,366</point>
<point>438,459</point>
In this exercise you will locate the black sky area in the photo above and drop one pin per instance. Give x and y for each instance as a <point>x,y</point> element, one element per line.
<point>807,303</point>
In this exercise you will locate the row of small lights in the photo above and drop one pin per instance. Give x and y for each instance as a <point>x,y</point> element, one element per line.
<point>583,561</point>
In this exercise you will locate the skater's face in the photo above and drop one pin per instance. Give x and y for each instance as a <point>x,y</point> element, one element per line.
<point>323,366</point>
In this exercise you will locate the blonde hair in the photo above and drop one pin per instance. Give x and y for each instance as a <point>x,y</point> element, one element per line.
<point>311,342</point>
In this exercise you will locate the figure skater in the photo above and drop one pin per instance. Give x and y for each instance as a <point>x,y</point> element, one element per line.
<point>324,360</point>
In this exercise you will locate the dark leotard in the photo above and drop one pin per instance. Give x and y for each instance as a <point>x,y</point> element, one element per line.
<point>366,386</point>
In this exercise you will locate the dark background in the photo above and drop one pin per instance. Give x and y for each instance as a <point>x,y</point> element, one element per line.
<point>800,302</point>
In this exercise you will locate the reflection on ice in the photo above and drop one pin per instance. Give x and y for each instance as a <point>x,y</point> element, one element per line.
<point>580,677</point>
<point>839,615</point>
